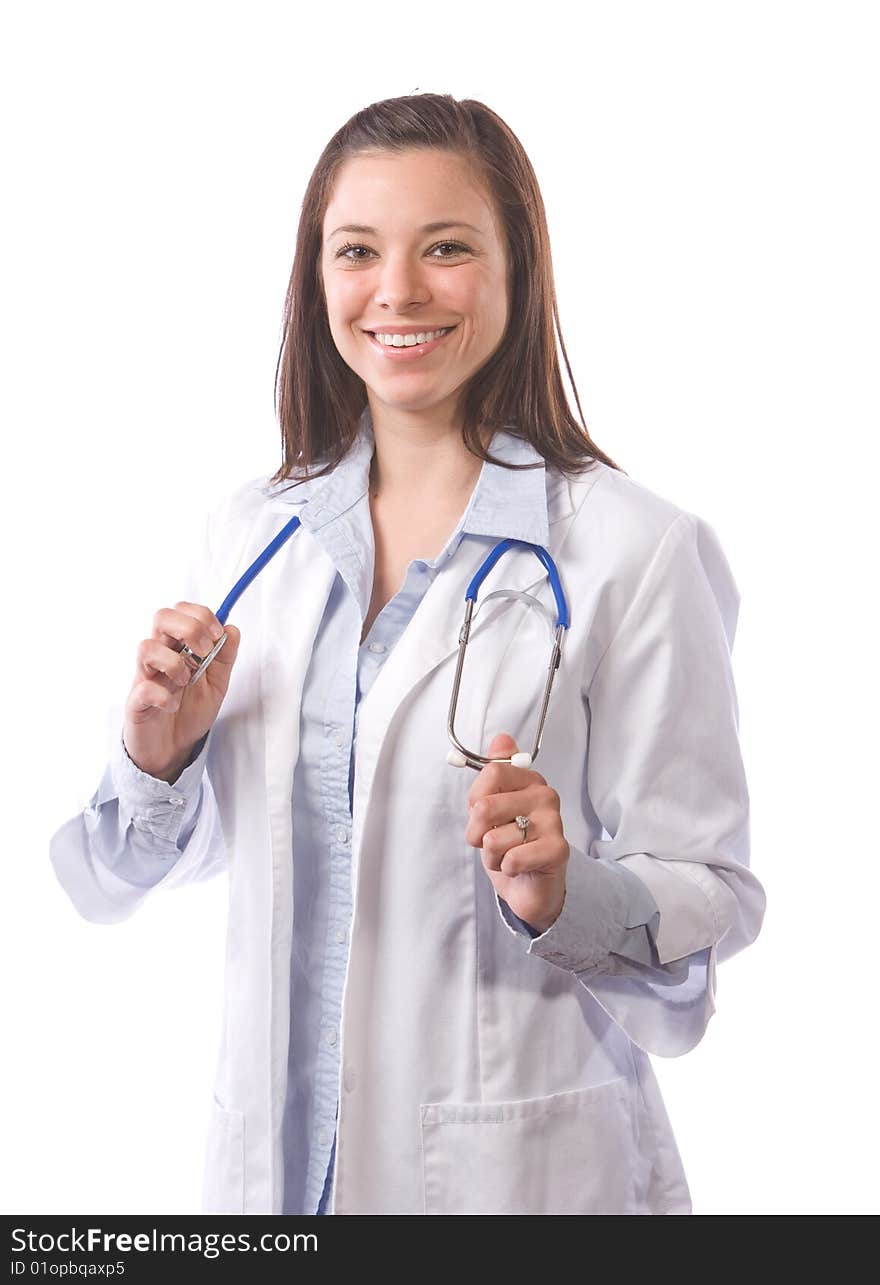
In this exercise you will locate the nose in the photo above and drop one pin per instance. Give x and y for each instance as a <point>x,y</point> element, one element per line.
<point>401,284</point>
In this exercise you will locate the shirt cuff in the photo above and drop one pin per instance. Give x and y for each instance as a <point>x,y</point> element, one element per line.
<point>515,922</point>
<point>608,923</point>
<point>151,804</point>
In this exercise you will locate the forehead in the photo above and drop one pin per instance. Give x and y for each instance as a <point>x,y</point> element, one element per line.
<point>392,191</point>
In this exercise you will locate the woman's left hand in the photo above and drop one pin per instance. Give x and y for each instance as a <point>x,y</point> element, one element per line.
<point>530,875</point>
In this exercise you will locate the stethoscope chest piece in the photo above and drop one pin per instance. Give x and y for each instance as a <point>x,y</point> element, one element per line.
<point>202,662</point>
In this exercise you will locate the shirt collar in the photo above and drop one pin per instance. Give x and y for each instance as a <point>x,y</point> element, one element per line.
<point>505,503</point>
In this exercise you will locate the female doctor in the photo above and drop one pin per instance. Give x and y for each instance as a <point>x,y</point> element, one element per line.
<point>442,986</point>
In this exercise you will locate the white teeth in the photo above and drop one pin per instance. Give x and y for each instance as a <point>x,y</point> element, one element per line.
<point>409,341</point>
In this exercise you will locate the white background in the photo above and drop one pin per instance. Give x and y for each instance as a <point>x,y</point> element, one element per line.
<point>709,172</point>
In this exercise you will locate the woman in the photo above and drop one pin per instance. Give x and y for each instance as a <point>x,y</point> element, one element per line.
<point>430,1007</point>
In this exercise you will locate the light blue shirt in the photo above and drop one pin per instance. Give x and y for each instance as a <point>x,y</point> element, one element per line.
<point>342,670</point>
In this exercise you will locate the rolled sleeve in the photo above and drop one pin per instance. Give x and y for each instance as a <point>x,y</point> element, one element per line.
<point>608,923</point>
<point>153,806</point>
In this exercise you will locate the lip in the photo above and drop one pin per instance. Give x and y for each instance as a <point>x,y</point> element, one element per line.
<point>409,330</point>
<point>412,353</point>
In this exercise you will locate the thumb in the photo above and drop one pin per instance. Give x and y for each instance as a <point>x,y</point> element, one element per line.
<point>228,652</point>
<point>503,745</point>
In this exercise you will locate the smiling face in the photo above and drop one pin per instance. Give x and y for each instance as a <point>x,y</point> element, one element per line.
<point>396,274</point>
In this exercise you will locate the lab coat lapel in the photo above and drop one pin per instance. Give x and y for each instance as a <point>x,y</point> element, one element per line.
<point>295,586</point>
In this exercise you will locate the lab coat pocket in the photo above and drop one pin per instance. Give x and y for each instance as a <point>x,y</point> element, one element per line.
<point>568,1153</point>
<point>223,1186</point>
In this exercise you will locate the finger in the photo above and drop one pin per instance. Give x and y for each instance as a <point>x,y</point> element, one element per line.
<point>502,778</point>
<point>154,658</point>
<point>156,692</point>
<point>174,627</point>
<point>503,838</point>
<point>499,809</point>
<point>538,856</point>
<point>205,615</point>
<point>542,856</point>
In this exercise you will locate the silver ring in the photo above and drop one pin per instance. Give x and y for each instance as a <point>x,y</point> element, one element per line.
<point>523,823</point>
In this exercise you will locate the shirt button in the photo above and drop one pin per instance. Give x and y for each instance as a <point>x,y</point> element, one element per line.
<point>342,834</point>
<point>340,934</point>
<point>331,1036</point>
<point>379,647</point>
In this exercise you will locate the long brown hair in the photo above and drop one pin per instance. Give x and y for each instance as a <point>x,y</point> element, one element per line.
<point>319,399</point>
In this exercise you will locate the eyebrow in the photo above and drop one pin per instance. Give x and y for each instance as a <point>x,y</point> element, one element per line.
<point>441,226</point>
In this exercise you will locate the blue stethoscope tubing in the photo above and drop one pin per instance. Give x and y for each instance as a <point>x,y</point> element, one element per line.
<point>255,568</point>
<point>237,590</point>
<point>501,548</point>
<point>459,756</point>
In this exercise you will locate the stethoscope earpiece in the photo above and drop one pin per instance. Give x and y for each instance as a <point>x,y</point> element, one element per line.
<point>455,758</point>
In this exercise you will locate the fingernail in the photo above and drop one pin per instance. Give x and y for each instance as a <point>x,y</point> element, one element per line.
<point>216,632</point>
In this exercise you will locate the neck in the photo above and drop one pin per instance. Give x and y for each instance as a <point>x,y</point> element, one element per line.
<point>413,461</point>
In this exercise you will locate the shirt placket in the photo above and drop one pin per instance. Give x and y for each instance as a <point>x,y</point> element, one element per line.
<point>336,808</point>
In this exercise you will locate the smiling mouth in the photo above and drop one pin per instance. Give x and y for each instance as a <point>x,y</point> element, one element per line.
<point>407,352</point>
<point>429,330</point>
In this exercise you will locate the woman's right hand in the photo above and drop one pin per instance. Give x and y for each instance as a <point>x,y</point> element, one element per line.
<point>164,717</point>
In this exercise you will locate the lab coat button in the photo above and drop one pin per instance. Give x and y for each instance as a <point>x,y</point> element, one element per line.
<point>342,834</point>
<point>340,934</point>
<point>331,1036</point>
<point>340,739</point>
<point>324,1137</point>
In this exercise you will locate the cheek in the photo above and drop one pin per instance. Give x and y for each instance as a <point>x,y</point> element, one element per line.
<point>466,294</point>
<point>344,302</point>
<point>490,313</point>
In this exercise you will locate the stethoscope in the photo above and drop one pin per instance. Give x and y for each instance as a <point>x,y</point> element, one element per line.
<point>459,756</point>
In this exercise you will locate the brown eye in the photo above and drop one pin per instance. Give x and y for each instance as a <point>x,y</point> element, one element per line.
<point>345,250</point>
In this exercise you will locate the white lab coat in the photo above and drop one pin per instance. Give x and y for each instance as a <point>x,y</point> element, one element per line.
<point>480,1071</point>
